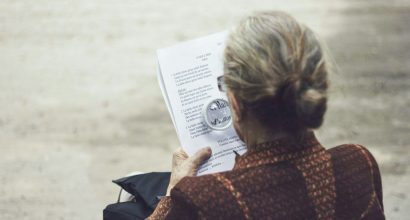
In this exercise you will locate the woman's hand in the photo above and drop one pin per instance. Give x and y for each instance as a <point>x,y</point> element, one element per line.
<point>183,166</point>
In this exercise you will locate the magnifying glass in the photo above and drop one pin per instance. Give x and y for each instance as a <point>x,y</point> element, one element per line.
<point>217,114</point>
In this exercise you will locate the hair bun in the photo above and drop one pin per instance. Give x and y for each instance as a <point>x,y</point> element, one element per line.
<point>307,105</point>
<point>311,107</point>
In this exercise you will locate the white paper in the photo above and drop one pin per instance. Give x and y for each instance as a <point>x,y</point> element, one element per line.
<point>187,74</point>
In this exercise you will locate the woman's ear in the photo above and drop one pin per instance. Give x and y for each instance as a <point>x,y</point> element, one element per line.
<point>235,106</point>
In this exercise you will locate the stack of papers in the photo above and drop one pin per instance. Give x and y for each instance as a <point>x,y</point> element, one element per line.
<point>188,77</point>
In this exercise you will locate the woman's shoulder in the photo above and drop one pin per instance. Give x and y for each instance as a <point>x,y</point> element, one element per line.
<point>228,182</point>
<point>201,188</point>
<point>207,195</point>
<point>355,168</point>
<point>222,189</point>
<point>352,152</point>
<point>353,158</point>
<point>357,177</point>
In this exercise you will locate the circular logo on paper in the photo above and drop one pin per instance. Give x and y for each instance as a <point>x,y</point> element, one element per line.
<point>217,114</point>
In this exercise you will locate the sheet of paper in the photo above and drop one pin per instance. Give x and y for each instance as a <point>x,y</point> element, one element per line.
<point>187,76</point>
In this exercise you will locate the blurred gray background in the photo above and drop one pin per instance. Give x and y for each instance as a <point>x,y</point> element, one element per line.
<point>80,104</point>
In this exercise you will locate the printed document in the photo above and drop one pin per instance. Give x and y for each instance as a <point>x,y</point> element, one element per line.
<point>188,76</point>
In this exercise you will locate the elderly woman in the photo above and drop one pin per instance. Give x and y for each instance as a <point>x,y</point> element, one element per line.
<point>276,75</point>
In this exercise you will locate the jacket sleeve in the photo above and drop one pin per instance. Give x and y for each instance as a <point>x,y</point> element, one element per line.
<point>162,209</point>
<point>176,206</point>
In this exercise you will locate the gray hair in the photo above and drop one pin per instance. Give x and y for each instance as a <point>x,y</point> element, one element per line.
<point>275,63</point>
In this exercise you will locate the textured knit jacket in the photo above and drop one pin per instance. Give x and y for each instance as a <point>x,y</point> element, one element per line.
<point>283,180</point>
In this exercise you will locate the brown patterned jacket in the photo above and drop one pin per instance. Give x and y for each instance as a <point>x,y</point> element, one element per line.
<point>283,180</point>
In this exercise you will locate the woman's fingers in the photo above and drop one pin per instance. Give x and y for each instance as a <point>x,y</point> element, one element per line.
<point>183,166</point>
<point>199,157</point>
<point>179,155</point>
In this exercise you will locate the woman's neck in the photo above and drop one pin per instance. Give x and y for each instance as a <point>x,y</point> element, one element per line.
<point>254,133</point>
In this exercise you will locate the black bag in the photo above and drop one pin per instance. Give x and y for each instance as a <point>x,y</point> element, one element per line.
<point>147,188</point>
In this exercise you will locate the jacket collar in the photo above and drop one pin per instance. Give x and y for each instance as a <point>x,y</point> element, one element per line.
<point>277,151</point>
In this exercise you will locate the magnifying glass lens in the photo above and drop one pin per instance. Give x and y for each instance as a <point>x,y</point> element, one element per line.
<point>217,114</point>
